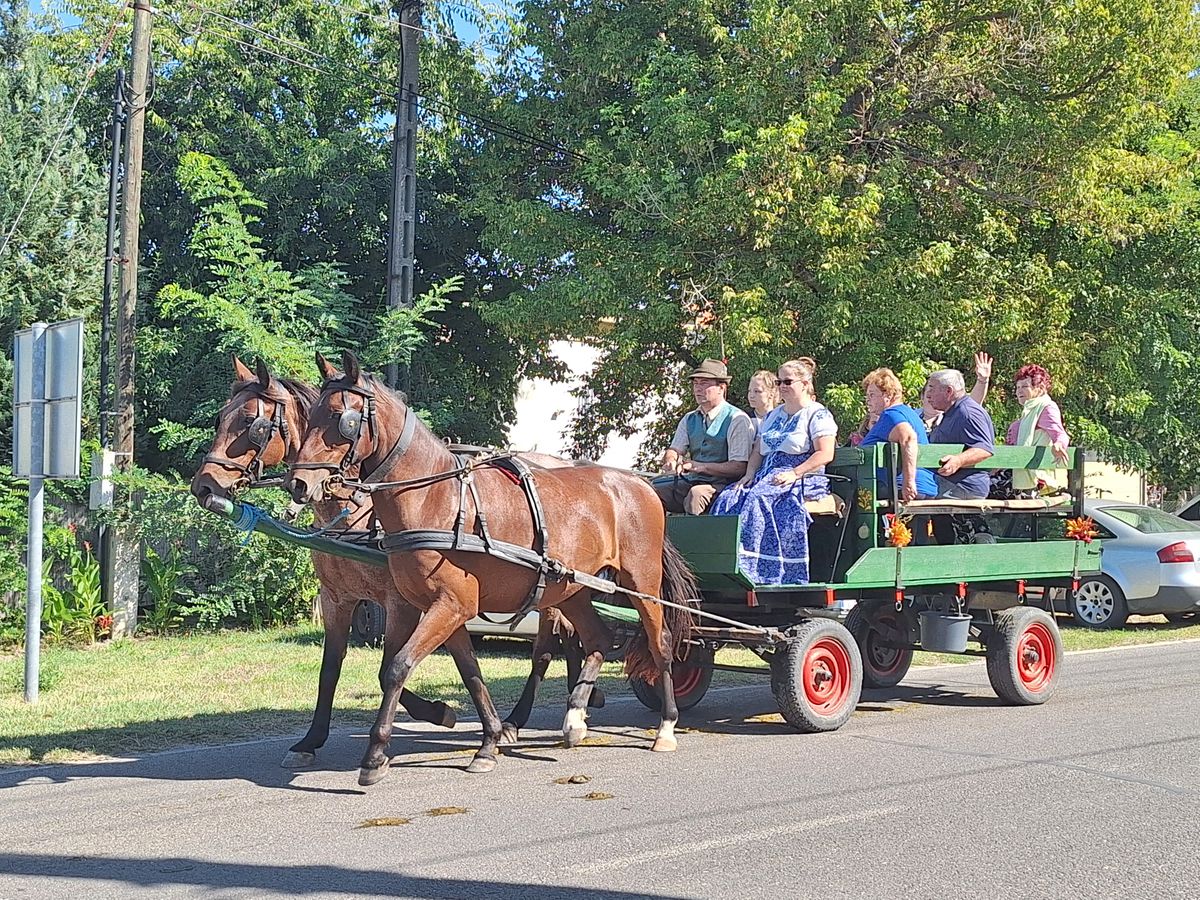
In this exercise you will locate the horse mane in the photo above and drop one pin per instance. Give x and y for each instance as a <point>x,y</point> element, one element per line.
<point>304,394</point>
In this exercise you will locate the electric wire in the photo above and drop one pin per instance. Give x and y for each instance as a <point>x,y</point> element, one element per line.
<point>497,128</point>
<point>101,53</point>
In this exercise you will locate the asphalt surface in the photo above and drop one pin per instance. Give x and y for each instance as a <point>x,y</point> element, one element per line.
<point>933,789</point>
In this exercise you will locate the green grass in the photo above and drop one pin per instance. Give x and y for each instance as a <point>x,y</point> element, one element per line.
<point>137,696</point>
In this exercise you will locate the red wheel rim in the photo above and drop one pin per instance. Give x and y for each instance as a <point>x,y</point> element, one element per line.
<point>826,674</point>
<point>1035,657</point>
<point>684,678</point>
<point>884,660</point>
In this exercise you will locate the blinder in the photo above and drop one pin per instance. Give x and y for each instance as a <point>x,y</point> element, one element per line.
<point>350,424</point>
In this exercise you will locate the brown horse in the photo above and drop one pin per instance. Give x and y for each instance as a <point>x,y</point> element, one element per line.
<point>260,427</point>
<point>597,519</point>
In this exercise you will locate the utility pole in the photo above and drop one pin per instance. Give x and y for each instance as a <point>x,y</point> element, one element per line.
<point>402,221</point>
<point>102,467</point>
<point>125,553</point>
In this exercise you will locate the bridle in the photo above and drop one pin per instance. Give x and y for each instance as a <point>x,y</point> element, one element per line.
<point>351,423</point>
<point>259,435</point>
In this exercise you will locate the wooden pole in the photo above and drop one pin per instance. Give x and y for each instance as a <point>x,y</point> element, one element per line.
<point>124,556</point>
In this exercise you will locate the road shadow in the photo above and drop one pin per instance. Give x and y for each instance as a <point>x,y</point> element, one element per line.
<point>290,880</point>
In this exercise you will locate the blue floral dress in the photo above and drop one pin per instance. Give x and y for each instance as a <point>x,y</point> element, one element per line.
<point>774,522</point>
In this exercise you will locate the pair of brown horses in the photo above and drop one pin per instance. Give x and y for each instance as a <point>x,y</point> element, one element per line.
<point>597,520</point>
<point>260,427</point>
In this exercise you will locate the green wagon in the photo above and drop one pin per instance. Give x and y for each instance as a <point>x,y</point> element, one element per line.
<point>870,604</point>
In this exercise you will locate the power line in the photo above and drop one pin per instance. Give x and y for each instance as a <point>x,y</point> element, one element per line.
<point>101,53</point>
<point>500,129</point>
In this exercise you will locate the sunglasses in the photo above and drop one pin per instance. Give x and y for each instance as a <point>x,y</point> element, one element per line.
<point>788,381</point>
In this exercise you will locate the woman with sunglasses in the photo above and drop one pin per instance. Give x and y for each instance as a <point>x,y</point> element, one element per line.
<point>786,467</point>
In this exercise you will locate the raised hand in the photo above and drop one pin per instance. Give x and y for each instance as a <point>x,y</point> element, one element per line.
<point>983,366</point>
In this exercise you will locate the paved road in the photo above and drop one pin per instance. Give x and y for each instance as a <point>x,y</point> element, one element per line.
<point>933,790</point>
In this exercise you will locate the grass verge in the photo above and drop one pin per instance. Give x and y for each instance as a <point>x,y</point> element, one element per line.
<point>142,695</point>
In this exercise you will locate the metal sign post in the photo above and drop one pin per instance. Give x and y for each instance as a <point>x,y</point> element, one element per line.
<point>48,364</point>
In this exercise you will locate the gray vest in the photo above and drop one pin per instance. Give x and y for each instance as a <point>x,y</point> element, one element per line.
<point>709,442</point>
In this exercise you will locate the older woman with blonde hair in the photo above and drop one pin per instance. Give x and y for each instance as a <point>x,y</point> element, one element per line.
<point>897,423</point>
<point>786,467</point>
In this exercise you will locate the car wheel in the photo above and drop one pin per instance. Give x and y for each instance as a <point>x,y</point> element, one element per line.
<point>1099,603</point>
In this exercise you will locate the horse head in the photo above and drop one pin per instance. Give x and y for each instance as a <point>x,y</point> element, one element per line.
<point>348,428</point>
<point>260,426</point>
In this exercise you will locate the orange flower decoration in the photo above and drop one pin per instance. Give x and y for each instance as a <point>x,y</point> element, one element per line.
<point>901,535</point>
<point>1082,529</point>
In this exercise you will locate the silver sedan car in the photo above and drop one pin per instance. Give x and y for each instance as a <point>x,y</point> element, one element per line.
<point>1150,565</point>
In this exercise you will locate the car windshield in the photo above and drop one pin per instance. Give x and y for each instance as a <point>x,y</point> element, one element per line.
<point>1148,520</point>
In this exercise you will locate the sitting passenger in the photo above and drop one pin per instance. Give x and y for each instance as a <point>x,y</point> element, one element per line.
<point>710,447</point>
<point>983,379</point>
<point>762,394</point>
<point>786,468</point>
<point>1040,425</point>
<point>897,423</point>
<point>964,422</point>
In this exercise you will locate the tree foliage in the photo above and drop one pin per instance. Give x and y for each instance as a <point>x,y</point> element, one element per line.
<point>51,268</point>
<point>871,183</point>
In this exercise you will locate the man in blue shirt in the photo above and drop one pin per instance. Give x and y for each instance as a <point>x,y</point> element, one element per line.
<point>963,422</point>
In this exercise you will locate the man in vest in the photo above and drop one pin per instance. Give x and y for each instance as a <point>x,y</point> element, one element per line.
<point>711,445</point>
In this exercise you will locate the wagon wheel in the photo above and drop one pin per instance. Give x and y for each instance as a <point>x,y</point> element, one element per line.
<point>690,679</point>
<point>874,627</point>
<point>1024,656</point>
<point>817,676</point>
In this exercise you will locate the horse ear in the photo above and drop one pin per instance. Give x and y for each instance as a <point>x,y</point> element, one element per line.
<point>240,370</point>
<point>351,366</point>
<point>264,375</point>
<point>325,367</point>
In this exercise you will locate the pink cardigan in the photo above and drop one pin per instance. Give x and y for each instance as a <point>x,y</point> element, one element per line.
<point>1050,421</point>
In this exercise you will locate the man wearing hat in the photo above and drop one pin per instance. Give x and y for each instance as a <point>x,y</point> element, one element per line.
<point>711,445</point>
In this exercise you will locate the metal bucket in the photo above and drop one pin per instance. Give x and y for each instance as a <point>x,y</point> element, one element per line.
<point>944,632</point>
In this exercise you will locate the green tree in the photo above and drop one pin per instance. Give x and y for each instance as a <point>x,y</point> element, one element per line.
<point>296,98</point>
<point>868,183</point>
<point>52,261</point>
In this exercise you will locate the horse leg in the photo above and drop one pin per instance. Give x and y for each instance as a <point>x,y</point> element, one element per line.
<point>594,637</point>
<point>543,653</point>
<point>574,654</point>
<point>402,619</point>
<point>660,645</point>
<point>436,626</point>
<point>336,615</point>
<point>460,648</point>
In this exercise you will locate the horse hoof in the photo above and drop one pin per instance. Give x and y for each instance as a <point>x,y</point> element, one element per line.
<point>297,759</point>
<point>509,733</point>
<point>448,718</point>
<point>665,745</point>
<point>573,737</point>
<point>481,765</point>
<point>368,777</point>
<point>596,701</point>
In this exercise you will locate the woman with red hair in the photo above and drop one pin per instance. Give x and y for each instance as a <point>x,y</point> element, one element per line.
<point>1040,425</point>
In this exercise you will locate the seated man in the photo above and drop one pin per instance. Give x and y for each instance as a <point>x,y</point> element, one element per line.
<point>964,422</point>
<point>710,447</point>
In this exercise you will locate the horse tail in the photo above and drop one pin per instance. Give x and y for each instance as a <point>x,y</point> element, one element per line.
<point>678,586</point>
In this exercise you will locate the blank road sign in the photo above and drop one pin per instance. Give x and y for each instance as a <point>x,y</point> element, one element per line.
<point>64,387</point>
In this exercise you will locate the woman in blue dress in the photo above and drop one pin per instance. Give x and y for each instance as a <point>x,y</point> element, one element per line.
<point>786,467</point>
